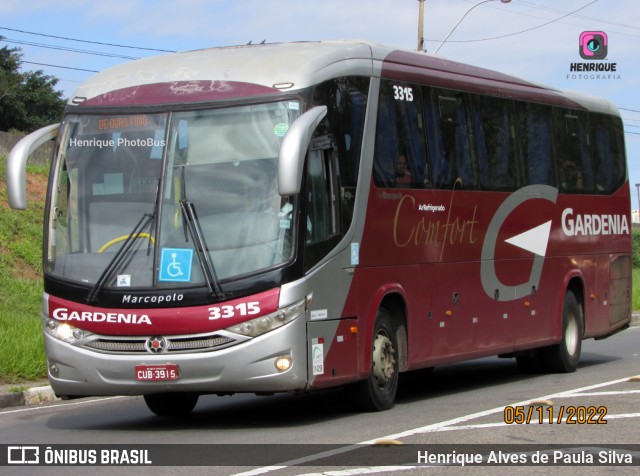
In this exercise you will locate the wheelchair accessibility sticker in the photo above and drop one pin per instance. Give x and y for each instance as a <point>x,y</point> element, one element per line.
<point>175,264</point>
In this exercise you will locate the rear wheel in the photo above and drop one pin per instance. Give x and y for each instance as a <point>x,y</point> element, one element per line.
<point>171,404</point>
<point>378,392</point>
<point>564,356</point>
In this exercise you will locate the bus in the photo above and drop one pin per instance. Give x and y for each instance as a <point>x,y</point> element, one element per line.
<point>301,216</point>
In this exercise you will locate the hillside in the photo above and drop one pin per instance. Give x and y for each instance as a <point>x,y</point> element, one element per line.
<point>21,348</point>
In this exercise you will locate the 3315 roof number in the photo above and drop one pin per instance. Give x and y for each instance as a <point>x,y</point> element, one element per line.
<point>227,312</point>
<point>402,93</point>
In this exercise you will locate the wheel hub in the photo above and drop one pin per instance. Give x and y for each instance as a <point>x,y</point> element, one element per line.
<point>383,360</point>
<point>571,336</point>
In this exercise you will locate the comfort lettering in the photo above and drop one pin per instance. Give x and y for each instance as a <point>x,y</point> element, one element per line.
<point>409,231</point>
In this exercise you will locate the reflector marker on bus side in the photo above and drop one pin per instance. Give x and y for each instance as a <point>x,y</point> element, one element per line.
<point>534,240</point>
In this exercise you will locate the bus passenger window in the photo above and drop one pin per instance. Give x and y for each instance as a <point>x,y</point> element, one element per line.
<point>400,156</point>
<point>448,140</point>
<point>574,154</point>
<point>495,143</point>
<point>535,138</point>
<point>608,152</point>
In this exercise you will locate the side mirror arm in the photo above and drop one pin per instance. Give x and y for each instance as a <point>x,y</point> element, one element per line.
<point>17,164</point>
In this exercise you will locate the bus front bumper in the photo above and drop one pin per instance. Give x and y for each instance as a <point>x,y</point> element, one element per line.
<point>249,366</point>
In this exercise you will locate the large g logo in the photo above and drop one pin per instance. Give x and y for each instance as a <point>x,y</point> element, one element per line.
<point>534,240</point>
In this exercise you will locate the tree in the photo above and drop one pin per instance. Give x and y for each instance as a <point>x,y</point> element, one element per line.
<point>28,100</point>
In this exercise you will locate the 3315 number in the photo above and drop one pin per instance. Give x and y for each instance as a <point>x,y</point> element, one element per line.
<point>227,312</point>
<point>402,93</point>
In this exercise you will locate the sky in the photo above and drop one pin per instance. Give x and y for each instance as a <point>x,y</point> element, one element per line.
<point>537,40</point>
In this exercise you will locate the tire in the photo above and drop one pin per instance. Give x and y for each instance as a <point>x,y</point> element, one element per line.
<point>564,356</point>
<point>378,392</point>
<point>171,404</point>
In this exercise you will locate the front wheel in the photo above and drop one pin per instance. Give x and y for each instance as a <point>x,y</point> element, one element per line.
<point>564,356</point>
<point>378,392</point>
<point>171,404</point>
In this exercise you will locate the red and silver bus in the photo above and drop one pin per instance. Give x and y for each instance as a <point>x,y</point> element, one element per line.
<point>292,217</point>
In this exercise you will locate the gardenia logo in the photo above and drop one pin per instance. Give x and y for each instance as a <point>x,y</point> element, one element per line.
<point>63,314</point>
<point>593,46</point>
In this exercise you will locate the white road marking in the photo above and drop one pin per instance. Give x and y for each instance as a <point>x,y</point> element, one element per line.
<point>447,425</point>
<point>65,404</point>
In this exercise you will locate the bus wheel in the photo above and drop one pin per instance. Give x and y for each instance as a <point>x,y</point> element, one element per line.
<point>564,356</point>
<point>171,404</point>
<point>378,392</point>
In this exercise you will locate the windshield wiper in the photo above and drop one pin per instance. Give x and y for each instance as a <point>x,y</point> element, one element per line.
<point>192,225</point>
<point>142,224</point>
<point>146,220</point>
<point>190,220</point>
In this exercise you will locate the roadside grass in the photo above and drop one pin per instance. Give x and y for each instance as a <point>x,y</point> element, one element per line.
<point>21,344</point>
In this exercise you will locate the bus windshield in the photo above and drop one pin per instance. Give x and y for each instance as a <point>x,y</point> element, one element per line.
<point>170,199</point>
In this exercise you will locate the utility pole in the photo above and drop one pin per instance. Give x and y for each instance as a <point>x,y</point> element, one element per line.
<point>421,26</point>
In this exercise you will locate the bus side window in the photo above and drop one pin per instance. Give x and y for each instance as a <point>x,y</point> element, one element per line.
<point>495,143</point>
<point>574,153</point>
<point>449,140</point>
<point>386,143</point>
<point>535,138</point>
<point>346,100</point>
<point>322,221</point>
<point>608,153</point>
<point>400,155</point>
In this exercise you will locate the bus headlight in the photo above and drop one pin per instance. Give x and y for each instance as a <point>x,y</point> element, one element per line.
<point>264,324</point>
<point>64,332</point>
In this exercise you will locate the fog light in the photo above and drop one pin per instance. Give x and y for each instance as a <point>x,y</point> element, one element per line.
<point>283,363</point>
<point>54,370</point>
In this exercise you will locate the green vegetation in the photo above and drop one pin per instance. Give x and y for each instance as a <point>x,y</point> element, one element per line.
<point>18,389</point>
<point>635,242</point>
<point>29,100</point>
<point>635,293</point>
<point>21,346</point>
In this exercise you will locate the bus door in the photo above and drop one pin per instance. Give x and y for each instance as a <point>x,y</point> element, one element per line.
<point>332,337</point>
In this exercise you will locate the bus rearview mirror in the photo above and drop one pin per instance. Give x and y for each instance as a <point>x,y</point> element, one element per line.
<point>294,148</point>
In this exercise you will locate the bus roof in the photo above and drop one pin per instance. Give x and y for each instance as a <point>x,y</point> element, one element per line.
<point>228,72</point>
<point>270,67</point>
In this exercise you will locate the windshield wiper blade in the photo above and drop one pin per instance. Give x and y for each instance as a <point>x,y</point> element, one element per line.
<point>142,224</point>
<point>190,219</point>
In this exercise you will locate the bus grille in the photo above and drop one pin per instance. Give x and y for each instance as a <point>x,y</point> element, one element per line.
<point>174,344</point>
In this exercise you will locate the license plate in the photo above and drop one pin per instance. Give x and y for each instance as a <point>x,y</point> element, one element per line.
<point>155,373</point>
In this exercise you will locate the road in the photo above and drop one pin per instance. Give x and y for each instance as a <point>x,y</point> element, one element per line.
<point>461,405</point>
